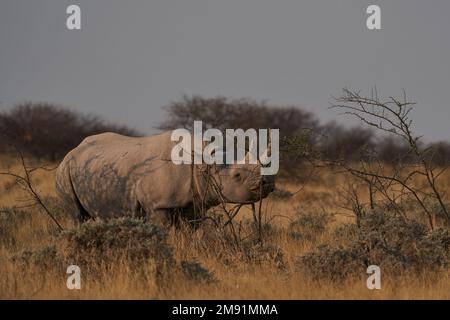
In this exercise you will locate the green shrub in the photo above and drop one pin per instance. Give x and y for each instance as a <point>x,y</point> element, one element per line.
<point>98,244</point>
<point>116,238</point>
<point>309,225</point>
<point>46,258</point>
<point>391,242</point>
<point>193,270</point>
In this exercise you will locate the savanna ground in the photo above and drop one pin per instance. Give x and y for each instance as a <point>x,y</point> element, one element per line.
<point>125,259</point>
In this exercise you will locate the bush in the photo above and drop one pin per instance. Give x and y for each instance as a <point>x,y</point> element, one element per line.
<point>103,240</point>
<point>101,243</point>
<point>224,113</point>
<point>193,270</point>
<point>266,254</point>
<point>49,131</point>
<point>393,243</point>
<point>46,258</point>
<point>346,144</point>
<point>309,225</point>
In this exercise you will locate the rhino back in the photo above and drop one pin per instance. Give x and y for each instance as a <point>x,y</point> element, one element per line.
<point>105,170</point>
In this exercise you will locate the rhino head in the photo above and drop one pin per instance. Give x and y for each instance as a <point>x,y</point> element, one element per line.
<point>240,183</point>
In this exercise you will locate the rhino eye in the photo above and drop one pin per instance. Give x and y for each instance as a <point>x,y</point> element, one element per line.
<point>237,175</point>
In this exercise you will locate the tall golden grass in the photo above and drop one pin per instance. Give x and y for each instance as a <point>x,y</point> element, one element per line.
<point>239,279</point>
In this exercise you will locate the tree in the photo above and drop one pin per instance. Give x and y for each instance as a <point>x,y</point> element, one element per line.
<point>49,131</point>
<point>392,116</point>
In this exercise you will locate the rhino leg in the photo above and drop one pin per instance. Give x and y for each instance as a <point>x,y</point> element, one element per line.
<point>159,217</point>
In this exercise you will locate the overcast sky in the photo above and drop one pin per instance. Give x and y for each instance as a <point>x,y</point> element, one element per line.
<point>132,57</point>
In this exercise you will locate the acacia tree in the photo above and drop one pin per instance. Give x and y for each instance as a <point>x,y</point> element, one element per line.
<point>392,116</point>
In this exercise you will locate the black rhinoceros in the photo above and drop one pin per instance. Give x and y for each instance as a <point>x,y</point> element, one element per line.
<point>110,175</point>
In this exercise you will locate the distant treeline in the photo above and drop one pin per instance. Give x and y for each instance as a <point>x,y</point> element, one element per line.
<point>49,131</point>
<point>301,133</point>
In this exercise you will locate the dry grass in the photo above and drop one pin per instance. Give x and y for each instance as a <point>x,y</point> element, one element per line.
<point>248,272</point>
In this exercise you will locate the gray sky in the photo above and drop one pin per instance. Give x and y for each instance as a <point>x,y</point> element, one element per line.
<point>132,57</point>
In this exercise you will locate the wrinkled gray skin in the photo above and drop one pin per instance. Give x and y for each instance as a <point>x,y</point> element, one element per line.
<point>110,175</point>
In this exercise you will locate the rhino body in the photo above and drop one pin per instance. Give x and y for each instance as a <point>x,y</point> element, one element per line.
<point>110,175</point>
